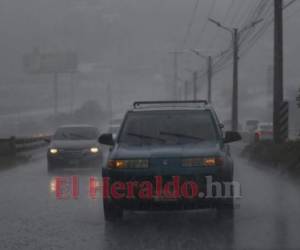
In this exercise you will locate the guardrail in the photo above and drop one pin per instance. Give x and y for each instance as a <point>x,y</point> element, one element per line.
<point>11,146</point>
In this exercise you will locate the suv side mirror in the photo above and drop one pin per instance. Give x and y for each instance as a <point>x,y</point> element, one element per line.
<point>106,139</point>
<point>231,136</point>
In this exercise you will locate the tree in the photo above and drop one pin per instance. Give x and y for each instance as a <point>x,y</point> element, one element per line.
<point>90,112</point>
<point>298,99</point>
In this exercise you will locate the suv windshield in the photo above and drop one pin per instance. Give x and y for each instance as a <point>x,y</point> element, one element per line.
<point>168,127</point>
<point>76,133</point>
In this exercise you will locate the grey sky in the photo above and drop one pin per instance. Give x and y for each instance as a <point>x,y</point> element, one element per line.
<point>128,35</point>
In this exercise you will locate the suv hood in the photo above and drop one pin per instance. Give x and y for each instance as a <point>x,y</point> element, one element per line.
<point>169,151</point>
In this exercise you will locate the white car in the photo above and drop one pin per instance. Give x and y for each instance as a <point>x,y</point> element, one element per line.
<point>264,132</point>
<point>74,146</point>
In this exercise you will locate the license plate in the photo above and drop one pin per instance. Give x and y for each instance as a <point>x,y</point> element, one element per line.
<point>164,198</point>
<point>73,162</point>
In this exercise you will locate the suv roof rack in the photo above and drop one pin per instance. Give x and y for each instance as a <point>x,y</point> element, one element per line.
<point>165,103</point>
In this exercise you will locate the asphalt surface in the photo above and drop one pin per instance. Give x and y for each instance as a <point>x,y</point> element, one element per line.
<point>268,216</point>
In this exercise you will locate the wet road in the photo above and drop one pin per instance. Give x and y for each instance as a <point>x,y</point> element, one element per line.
<point>31,217</point>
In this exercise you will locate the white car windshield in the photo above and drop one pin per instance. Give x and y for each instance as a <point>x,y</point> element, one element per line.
<point>76,133</point>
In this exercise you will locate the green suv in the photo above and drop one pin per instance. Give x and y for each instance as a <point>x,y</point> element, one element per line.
<point>168,155</point>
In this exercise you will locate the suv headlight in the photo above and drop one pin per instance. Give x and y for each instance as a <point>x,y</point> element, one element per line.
<point>202,162</point>
<point>121,164</point>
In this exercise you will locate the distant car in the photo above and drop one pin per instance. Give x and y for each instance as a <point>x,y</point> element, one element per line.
<point>264,132</point>
<point>251,126</point>
<point>249,130</point>
<point>74,146</point>
<point>165,140</point>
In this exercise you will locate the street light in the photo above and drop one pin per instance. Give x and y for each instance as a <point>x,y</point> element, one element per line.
<point>235,32</point>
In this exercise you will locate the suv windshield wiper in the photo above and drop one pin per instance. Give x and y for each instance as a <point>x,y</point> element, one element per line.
<point>146,137</point>
<point>182,135</point>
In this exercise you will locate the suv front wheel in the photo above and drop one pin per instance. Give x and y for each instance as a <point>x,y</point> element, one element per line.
<point>111,211</point>
<point>225,209</point>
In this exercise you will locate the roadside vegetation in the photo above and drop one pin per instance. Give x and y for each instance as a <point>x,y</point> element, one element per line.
<point>286,155</point>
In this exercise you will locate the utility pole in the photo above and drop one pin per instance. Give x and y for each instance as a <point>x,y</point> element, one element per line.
<point>209,78</point>
<point>195,87</point>
<point>55,94</point>
<point>278,68</point>
<point>270,79</point>
<point>73,78</point>
<point>235,38</point>
<point>209,72</point>
<point>175,73</point>
<point>235,91</point>
<point>109,95</point>
<point>186,90</point>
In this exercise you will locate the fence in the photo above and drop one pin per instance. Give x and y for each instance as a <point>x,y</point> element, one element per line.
<point>11,146</point>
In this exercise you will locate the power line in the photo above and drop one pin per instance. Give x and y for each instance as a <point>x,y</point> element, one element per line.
<point>289,4</point>
<point>257,37</point>
<point>252,12</point>
<point>214,38</point>
<point>257,11</point>
<point>221,65</point>
<point>226,58</point>
<point>237,11</point>
<point>190,24</point>
<point>262,8</point>
<point>265,28</point>
<point>211,9</point>
<point>252,37</point>
<point>251,15</point>
<point>242,15</point>
<point>292,14</point>
<point>228,10</point>
<point>266,13</point>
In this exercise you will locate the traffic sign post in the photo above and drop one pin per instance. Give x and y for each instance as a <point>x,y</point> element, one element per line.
<point>278,69</point>
<point>50,63</point>
<point>54,63</point>
<point>283,121</point>
<point>298,99</point>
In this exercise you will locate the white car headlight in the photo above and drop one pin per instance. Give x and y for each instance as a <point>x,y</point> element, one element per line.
<point>53,151</point>
<point>94,150</point>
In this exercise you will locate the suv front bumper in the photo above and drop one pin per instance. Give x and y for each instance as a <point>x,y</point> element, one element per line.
<point>203,199</point>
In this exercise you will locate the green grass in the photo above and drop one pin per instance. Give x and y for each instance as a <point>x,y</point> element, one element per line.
<point>286,154</point>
